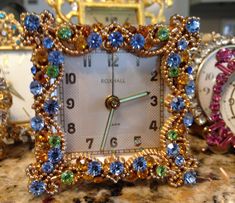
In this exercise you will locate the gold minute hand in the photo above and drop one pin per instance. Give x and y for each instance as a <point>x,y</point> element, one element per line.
<point>134,97</point>
<point>107,128</point>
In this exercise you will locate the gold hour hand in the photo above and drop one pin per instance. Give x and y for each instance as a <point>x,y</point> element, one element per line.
<point>134,97</point>
<point>15,92</point>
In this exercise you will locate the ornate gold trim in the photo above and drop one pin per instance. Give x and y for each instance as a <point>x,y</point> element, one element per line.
<point>78,8</point>
<point>73,168</point>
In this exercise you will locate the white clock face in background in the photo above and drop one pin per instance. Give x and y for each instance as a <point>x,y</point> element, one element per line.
<point>111,15</point>
<point>228,103</point>
<point>15,67</point>
<point>206,78</point>
<point>86,85</point>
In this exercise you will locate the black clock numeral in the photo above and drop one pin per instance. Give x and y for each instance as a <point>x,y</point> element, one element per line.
<point>206,90</point>
<point>137,141</point>
<point>70,103</point>
<point>111,19</point>
<point>137,61</point>
<point>71,128</point>
<point>70,78</point>
<point>153,125</point>
<point>231,101</point>
<point>90,142</point>
<point>209,76</point>
<point>154,75</point>
<point>113,60</point>
<point>87,61</point>
<point>113,142</point>
<point>154,101</point>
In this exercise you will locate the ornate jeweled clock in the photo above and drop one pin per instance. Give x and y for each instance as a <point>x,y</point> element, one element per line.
<point>110,11</point>
<point>206,73</point>
<point>15,64</point>
<point>101,108</point>
<point>221,133</point>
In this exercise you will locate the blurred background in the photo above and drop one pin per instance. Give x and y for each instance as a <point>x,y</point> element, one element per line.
<point>216,15</point>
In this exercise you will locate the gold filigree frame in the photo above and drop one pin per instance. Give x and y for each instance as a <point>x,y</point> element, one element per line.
<point>54,167</point>
<point>79,7</point>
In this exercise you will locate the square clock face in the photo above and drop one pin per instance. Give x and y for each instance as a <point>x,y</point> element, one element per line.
<point>15,68</point>
<point>92,80</point>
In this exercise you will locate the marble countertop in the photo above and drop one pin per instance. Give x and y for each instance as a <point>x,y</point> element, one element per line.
<point>216,183</point>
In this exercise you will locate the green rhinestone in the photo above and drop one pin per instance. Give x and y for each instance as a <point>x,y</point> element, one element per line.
<point>161,171</point>
<point>67,177</point>
<point>65,33</point>
<point>163,34</point>
<point>172,135</point>
<point>173,72</point>
<point>55,141</point>
<point>52,71</point>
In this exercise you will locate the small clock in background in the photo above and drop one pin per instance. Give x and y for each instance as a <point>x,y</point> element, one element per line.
<point>110,11</point>
<point>221,133</point>
<point>15,67</point>
<point>205,73</point>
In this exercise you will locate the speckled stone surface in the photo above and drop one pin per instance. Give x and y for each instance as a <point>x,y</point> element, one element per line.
<point>216,183</point>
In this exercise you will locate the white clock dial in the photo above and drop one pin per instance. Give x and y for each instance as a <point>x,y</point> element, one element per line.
<point>15,67</point>
<point>228,103</point>
<point>88,82</point>
<point>110,15</point>
<point>206,78</point>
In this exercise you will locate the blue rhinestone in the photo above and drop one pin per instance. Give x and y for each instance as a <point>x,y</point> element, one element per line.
<point>193,25</point>
<point>2,16</point>
<point>116,39</point>
<point>14,27</point>
<point>116,168</point>
<point>172,149</point>
<point>35,88</point>
<point>137,41</point>
<point>47,167</point>
<point>94,40</point>
<point>56,58</point>
<point>182,44</point>
<point>190,88</point>
<point>51,106</point>
<point>32,22</point>
<point>94,168</point>
<point>37,187</point>
<point>140,164</point>
<point>179,160</point>
<point>48,43</point>
<point>177,104</point>
<point>18,42</point>
<point>37,123</point>
<point>55,155</point>
<point>174,60</point>
<point>190,70</point>
<point>188,119</point>
<point>33,70</point>
<point>190,177</point>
